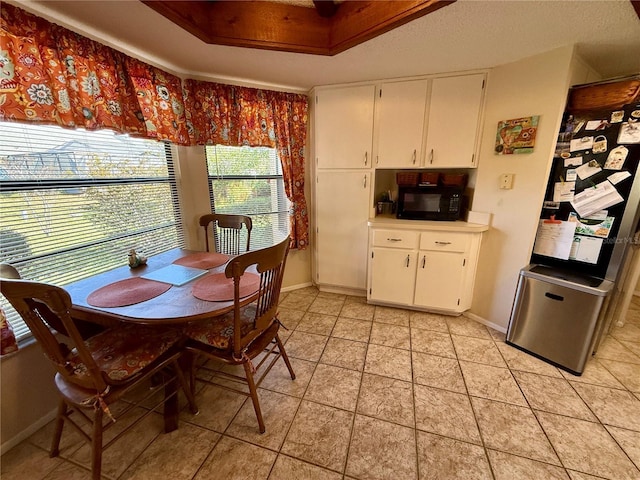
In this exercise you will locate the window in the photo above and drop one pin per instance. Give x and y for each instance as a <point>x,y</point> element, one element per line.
<point>74,202</point>
<point>248,181</point>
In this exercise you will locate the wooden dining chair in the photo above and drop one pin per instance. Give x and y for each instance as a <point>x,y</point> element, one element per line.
<point>86,329</point>
<point>227,234</point>
<point>93,374</point>
<point>240,336</point>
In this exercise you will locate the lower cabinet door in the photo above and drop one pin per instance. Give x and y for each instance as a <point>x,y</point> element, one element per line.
<point>392,274</point>
<point>439,280</point>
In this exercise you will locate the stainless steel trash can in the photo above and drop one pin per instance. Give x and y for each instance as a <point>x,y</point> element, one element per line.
<point>556,315</point>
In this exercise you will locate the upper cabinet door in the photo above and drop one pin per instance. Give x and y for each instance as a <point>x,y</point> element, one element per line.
<point>344,127</point>
<point>454,115</point>
<point>400,114</point>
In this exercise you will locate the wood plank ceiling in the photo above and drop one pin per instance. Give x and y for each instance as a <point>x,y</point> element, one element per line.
<point>328,29</point>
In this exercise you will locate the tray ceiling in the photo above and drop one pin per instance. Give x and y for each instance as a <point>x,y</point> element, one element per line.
<point>321,27</point>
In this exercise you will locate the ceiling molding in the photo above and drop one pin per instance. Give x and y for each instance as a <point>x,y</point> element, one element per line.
<point>292,28</point>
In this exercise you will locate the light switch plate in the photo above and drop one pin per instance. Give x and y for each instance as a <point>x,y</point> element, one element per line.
<point>506,181</point>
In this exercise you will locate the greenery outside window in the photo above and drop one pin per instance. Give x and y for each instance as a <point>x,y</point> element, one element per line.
<point>248,181</point>
<point>74,202</point>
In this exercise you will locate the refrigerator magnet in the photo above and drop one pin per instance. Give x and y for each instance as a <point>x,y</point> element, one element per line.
<point>616,158</point>
<point>599,144</point>
<point>617,116</point>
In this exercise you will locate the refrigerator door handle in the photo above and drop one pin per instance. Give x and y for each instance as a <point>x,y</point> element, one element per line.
<point>553,296</point>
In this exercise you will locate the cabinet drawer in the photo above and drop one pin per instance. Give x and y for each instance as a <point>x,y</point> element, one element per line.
<point>395,239</point>
<point>444,241</point>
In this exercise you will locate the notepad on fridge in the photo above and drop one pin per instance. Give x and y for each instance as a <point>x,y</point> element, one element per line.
<point>175,274</point>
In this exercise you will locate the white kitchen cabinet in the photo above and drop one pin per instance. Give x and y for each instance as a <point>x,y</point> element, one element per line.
<point>453,120</point>
<point>439,280</point>
<point>441,269</point>
<point>423,265</point>
<point>393,252</point>
<point>341,211</point>
<point>343,118</point>
<point>400,114</point>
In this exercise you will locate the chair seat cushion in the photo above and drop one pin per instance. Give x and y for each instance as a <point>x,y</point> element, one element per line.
<point>218,332</point>
<point>123,351</point>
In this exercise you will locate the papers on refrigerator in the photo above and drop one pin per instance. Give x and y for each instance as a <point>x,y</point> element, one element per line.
<point>587,249</point>
<point>618,177</point>
<point>598,197</point>
<point>554,238</point>
<point>563,191</point>
<point>588,169</point>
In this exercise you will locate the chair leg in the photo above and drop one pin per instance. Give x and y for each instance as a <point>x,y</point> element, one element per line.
<point>285,357</point>
<point>96,445</point>
<point>57,434</point>
<point>254,395</point>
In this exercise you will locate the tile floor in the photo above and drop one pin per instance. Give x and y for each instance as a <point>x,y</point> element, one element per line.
<point>386,393</point>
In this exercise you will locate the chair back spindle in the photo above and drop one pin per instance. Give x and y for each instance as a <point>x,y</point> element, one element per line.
<point>224,233</point>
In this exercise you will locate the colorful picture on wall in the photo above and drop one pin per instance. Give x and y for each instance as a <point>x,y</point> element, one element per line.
<point>517,135</point>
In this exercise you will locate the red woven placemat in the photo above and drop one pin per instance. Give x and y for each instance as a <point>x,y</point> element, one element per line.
<point>218,288</point>
<point>204,260</point>
<point>126,292</point>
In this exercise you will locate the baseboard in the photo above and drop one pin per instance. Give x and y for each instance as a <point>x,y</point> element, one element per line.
<point>296,287</point>
<point>26,433</point>
<point>482,320</point>
<point>354,292</point>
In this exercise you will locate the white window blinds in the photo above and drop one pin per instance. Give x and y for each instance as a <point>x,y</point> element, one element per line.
<point>74,202</point>
<point>248,181</point>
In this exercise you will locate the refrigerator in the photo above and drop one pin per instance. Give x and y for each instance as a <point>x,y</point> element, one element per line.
<point>587,223</point>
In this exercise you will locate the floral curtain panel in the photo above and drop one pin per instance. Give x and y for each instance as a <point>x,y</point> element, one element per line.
<point>8,342</point>
<point>49,74</point>
<point>230,115</point>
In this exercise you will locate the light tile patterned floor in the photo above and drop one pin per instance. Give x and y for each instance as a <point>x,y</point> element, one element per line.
<point>385,393</point>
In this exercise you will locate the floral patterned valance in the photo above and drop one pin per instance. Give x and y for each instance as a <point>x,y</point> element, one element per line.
<point>49,74</point>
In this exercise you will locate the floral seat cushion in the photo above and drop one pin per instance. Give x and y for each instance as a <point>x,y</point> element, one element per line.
<point>218,332</point>
<point>122,352</point>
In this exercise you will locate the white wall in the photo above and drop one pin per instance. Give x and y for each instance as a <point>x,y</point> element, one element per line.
<point>27,394</point>
<point>534,86</point>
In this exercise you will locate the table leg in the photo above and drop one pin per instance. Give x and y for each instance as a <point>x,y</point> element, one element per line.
<point>171,408</point>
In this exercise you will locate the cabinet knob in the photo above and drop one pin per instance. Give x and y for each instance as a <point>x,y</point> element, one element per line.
<point>431,156</point>
<point>394,239</point>
<point>365,182</point>
<point>424,260</point>
<point>414,156</point>
<point>408,258</point>
<point>442,243</point>
<point>366,158</point>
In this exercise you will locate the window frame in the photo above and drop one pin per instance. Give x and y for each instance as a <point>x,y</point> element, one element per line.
<point>285,212</point>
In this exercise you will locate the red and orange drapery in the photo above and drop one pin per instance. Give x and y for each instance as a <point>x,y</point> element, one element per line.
<point>49,74</point>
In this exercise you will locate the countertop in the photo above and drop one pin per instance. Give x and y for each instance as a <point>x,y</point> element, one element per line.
<point>390,221</point>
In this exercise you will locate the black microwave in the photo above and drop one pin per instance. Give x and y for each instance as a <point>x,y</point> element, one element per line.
<point>431,203</point>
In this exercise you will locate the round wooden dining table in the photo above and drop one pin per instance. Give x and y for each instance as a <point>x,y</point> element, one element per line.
<point>176,305</point>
